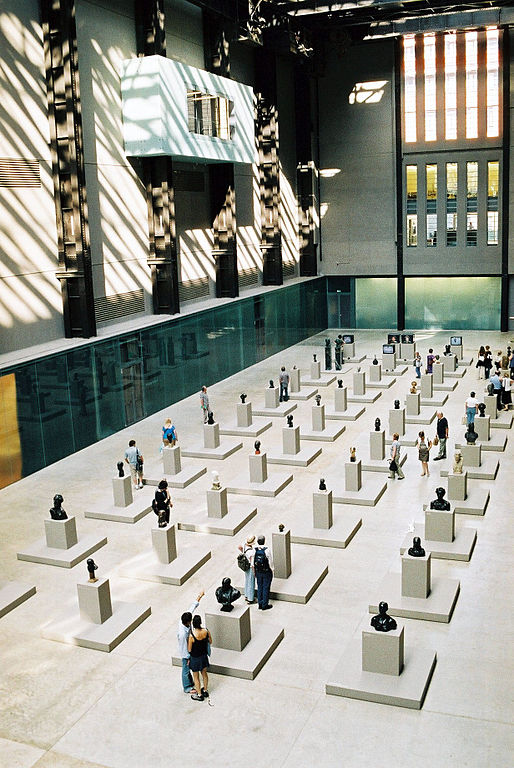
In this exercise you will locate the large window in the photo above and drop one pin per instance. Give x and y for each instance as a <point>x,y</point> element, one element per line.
<point>450,86</point>
<point>471,85</point>
<point>208,115</point>
<point>430,90</point>
<point>471,203</point>
<point>493,178</point>
<point>431,175</point>
<point>409,48</point>
<point>412,205</point>
<point>493,102</point>
<point>451,204</point>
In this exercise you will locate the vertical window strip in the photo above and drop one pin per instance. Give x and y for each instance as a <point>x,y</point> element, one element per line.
<point>493,94</point>
<point>431,191</point>
<point>471,85</point>
<point>450,85</point>
<point>493,181</point>
<point>471,203</point>
<point>409,62</point>
<point>412,205</point>
<point>430,88</point>
<point>451,204</point>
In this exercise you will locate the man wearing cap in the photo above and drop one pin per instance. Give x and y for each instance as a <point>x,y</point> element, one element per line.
<point>248,551</point>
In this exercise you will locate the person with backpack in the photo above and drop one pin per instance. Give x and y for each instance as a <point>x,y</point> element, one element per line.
<point>169,433</point>
<point>263,570</point>
<point>135,461</point>
<point>245,562</point>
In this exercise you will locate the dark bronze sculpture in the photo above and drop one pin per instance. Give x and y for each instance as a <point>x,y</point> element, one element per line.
<point>339,352</point>
<point>353,456</point>
<point>340,383</point>
<point>322,485</point>
<point>374,361</point>
<point>210,418</point>
<point>243,397</point>
<point>377,424</point>
<point>382,622</point>
<point>271,385</point>
<point>397,405</point>
<point>490,389</point>
<point>91,568</point>
<point>290,420</point>
<point>257,446</point>
<point>471,436</point>
<point>416,550</point>
<point>281,527</point>
<point>57,512</point>
<point>440,502</point>
<point>318,399</point>
<point>121,471</point>
<point>315,358</point>
<point>226,594</point>
<point>481,410</point>
<point>447,351</point>
<point>328,355</point>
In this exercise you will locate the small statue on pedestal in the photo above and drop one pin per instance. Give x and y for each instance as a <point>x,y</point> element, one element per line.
<point>375,360</point>
<point>91,568</point>
<point>457,463</point>
<point>490,389</point>
<point>416,550</point>
<point>314,358</point>
<point>441,503</point>
<point>481,410</point>
<point>471,436</point>
<point>121,471</point>
<point>243,397</point>
<point>226,594</point>
<point>271,385</point>
<point>57,512</point>
<point>162,518</point>
<point>210,418</point>
<point>328,355</point>
<point>318,399</point>
<point>290,420</point>
<point>382,622</point>
<point>216,485</point>
<point>257,446</point>
<point>377,424</point>
<point>339,352</point>
<point>397,405</point>
<point>413,387</point>
<point>340,383</point>
<point>281,527</point>
<point>447,351</point>
<point>322,484</point>
<point>353,456</point>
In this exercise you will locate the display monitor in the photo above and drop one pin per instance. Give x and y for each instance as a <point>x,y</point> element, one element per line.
<point>348,338</point>
<point>407,338</point>
<point>393,338</point>
<point>456,341</point>
<point>388,349</point>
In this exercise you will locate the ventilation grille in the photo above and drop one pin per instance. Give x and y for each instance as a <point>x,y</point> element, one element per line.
<point>189,181</point>
<point>19,172</point>
<point>119,305</point>
<point>289,269</point>
<point>248,277</point>
<point>193,289</point>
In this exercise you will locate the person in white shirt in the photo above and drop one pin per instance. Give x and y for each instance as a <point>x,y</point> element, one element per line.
<point>184,628</point>
<point>506,392</point>
<point>471,408</point>
<point>248,551</point>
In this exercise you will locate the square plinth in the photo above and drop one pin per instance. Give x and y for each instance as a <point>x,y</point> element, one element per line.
<point>256,428</point>
<point>383,383</point>
<point>62,558</point>
<point>339,535</point>
<point>146,567</point>
<point>329,434</point>
<point>239,514</point>
<point>12,594</point>
<point>68,627</point>
<point>448,386</point>
<point>122,491</point>
<point>426,416</point>
<point>325,380</point>
<point>61,534</point>
<point>351,413</point>
<point>246,663</point>
<point>405,690</point>
<point>502,421</point>
<point>303,458</point>
<point>457,374</point>
<point>272,486</point>
<point>486,471</point>
<point>282,409</point>
<point>367,397</point>
<point>230,630</point>
<point>438,606</point>
<point>183,478</point>
<point>461,548</point>
<point>439,524</point>
<point>475,503</point>
<point>382,652</point>
<point>373,488</point>
<point>378,465</point>
<point>497,442</point>
<point>222,451</point>
<point>416,575</point>
<point>95,601</point>
<point>399,370</point>
<point>140,507</point>
<point>299,587</point>
<point>304,393</point>
<point>437,399</point>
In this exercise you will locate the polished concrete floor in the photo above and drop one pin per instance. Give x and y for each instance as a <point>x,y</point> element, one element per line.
<point>67,707</point>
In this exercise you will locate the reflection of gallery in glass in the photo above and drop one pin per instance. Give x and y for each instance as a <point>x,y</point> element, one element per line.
<point>208,115</point>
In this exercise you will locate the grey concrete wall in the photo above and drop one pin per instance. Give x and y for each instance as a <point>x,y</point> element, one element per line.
<point>357,161</point>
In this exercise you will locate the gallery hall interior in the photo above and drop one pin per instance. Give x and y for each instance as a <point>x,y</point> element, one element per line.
<point>256,360</point>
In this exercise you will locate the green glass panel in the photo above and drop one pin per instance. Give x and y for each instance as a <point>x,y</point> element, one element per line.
<point>452,303</point>
<point>375,302</point>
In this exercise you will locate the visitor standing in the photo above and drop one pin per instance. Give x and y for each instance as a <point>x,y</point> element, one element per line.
<point>488,362</point>
<point>481,363</point>
<point>162,504</point>
<point>204,402</point>
<point>442,432</point>
<point>198,646</point>
<point>263,569</point>
<point>183,631</point>
<point>135,461</point>
<point>247,550</point>
<point>394,458</point>
<point>506,392</point>
<point>423,452</point>
<point>471,407</point>
<point>418,365</point>
<point>497,389</point>
<point>284,385</point>
<point>430,360</point>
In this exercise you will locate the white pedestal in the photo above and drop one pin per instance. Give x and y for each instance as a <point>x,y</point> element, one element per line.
<point>491,409</point>
<point>61,534</point>
<point>437,373</point>
<point>340,399</point>
<point>408,351</point>
<point>438,605</point>
<point>258,468</point>
<point>359,383</point>
<point>383,652</point>
<point>122,491</point>
<point>171,460</point>
<point>349,350</point>
<point>427,386</point>
<point>244,414</point>
<point>460,548</point>
<point>377,445</point>
<point>416,575</point>
<point>164,544</point>
<point>294,380</point>
<point>271,397</point>
<point>281,546</point>
<point>449,363</point>
<point>353,475</point>
<point>456,349</point>
<point>322,509</point>
<point>217,503</point>
<point>471,455</point>
<point>211,436</point>
<point>316,370</point>
<point>457,486</point>
<point>412,403</point>
<point>95,601</point>
<point>483,428</point>
<point>291,440</point>
<point>389,361</point>
<point>230,630</point>
<point>318,418</point>
<point>440,525</point>
<point>397,421</point>
<point>375,372</point>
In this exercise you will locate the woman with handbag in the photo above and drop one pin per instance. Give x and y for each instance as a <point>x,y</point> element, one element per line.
<point>198,646</point>
<point>423,452</point>
<point>481,363</point>
<point>245,562</point>
<point>162,503</point>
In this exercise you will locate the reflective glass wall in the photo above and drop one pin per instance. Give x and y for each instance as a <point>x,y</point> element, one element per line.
<point>453,303</point>
<point>59,404</point>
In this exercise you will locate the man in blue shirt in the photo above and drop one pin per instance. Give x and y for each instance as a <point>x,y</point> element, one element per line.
<point>497,389</point>
<point>183,631</point>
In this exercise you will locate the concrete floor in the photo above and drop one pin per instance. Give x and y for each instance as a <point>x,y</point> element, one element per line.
<point>67,707</point>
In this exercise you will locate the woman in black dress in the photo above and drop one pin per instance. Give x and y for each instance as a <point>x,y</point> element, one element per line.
<point>197,646</point>
<point>162,503</point>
